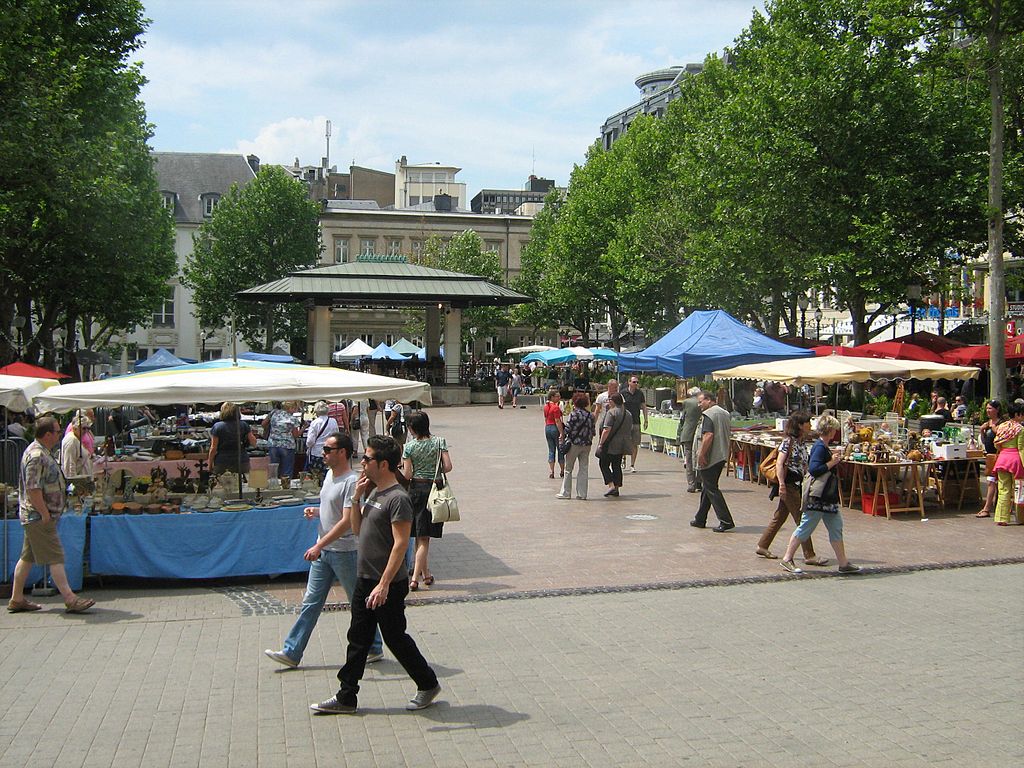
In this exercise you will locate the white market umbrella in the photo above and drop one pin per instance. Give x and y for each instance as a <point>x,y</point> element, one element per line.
<point>354,351</point>
<point>528,349</point>
<point>237,384</point>
<point>17,392</point>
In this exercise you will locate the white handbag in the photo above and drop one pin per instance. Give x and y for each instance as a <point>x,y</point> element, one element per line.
<point>441,501</point>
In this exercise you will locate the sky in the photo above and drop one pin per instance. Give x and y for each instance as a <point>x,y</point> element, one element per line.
<point>499,89</point>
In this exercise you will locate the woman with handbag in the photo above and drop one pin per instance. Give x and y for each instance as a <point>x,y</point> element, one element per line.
<point>614,443</point>
<point>424,458</point>
<point>579,436</point>
<point>790,468</point>
<point>821,498</point>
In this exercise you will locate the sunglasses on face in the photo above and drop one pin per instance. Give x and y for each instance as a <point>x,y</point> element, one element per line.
<point>328,448</point>
<point>367,458</point>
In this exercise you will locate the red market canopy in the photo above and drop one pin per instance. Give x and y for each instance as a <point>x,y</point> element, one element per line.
<point>32,371</point>
<point>931,341</point>
<point>826,350</point>
<point>898,350</point>
<point>979,354</point>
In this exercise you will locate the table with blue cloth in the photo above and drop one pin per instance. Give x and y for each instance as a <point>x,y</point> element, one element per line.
<point>71,530</point>
<point>202,545</point>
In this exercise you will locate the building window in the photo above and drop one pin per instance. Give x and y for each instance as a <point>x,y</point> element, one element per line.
<point>417,340</point>
<point>389,339</point>
<point>163,315</point>
<point>492,246</point>
<point>366,338</point>
<point>340,341</point>
<point>417,250</point>
<point>394,247</point>
<point>341,250</point>
<point>367,246</point>
<point>524,341</point>
<point>212,354</point>
<point>489,345</point>
<point>168,199</point>
<point>209,201</point>
<point>414,199</point>
<point>141,354</point>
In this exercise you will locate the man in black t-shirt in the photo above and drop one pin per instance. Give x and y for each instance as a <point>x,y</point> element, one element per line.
<point>635,405</point>
<point>382,519</point>
<point>502,377</point>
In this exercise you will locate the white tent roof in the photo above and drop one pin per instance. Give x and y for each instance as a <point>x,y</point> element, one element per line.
<point>836,368</point>
<point>17,392</point>
<point>353,351</point>
<point>234,384</point>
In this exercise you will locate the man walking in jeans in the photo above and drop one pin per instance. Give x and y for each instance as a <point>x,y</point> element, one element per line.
<point>382,519</point>
<point>711,448</point>
<point>333,555</point>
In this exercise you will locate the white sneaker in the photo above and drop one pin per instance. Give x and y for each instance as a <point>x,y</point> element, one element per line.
<point>423,699</point>
<point>561,496</point>
<point>373,658</point>
<point>281,658</point>
<point>632,470</point>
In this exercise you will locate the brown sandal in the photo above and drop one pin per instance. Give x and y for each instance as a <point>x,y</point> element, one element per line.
<point>983,513</point>
<point>22,606</point>
<point>816,560</point>
<point>428,580</point>
<point>79,605</point>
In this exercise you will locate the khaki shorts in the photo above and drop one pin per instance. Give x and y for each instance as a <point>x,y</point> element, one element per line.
<point>635,436</point>
<point>42,544</point>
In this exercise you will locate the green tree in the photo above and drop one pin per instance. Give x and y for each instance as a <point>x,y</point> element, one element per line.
<point>464,252</point>
<point>257,234</point>
<point>83,237</point>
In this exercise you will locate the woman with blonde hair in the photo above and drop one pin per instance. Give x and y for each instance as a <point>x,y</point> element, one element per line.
<point>821,498</point>
<point>228,439</point>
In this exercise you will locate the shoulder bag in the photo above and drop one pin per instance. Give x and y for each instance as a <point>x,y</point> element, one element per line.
<point>769,467</point>
<point>441,501</point>
<point>615,431</point>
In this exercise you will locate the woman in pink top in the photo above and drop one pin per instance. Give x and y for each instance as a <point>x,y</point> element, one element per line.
<point>553,429</point>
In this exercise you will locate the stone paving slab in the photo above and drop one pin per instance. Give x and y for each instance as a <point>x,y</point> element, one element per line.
<point>516,537</point>
<point>916,669</point>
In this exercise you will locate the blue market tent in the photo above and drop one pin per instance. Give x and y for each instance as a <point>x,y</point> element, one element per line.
<point>570,355</point>
<point>705,342</point>
<point>161,359</point>
<point>422,354</point>
<point>383,352</point>
<point>266,358</point>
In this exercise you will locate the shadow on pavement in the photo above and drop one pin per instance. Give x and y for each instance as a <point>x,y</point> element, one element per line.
<point>470,717</point>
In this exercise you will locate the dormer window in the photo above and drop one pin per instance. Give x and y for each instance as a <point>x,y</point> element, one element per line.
<point>169,199</point>
<point>209,201</point>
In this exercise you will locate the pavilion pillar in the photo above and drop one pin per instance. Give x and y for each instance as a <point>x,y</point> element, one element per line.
<point>320,335</point>
<point>452,345</point>
<point>433,332</point>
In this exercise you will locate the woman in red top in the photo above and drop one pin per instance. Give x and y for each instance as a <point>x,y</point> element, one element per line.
<point>553,429</point>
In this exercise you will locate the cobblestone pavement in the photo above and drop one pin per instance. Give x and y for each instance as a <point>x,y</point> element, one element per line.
<point>916,663</point>
<point>917,669</point>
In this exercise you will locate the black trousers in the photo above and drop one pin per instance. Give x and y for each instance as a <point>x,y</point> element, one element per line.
<point>711,496</point>
<point>391,619</point>
<point>611,468</point>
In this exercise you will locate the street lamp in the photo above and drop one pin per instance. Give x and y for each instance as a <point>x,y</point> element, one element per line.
<point>818,314</point>
<point>802,301</point>
<point>913,296</point>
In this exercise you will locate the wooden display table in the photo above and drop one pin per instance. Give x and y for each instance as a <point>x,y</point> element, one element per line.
<point>879,478</point>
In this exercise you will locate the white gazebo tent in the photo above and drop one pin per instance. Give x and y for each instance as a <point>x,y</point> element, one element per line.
<point>357,350</point>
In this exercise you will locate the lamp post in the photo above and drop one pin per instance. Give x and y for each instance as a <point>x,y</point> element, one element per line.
<point>802,301</point>
<point>913,296</point>
<point>19,325</point>
<point>818,314</point>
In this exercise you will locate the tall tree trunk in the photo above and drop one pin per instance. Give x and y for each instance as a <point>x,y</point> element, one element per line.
<point>997,276</point>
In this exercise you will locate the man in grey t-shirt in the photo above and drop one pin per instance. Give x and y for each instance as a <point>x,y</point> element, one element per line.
<point>333,555</point>
<point>711,451</point>
<point>382,519</point>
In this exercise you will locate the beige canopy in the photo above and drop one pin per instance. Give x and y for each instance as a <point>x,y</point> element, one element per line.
<point>841,368</point>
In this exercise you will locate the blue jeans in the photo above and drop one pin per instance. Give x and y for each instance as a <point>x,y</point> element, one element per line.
<point>810,519</point>
<point>551,434</point>
<point>285,460</point>
<point>321,576</point>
